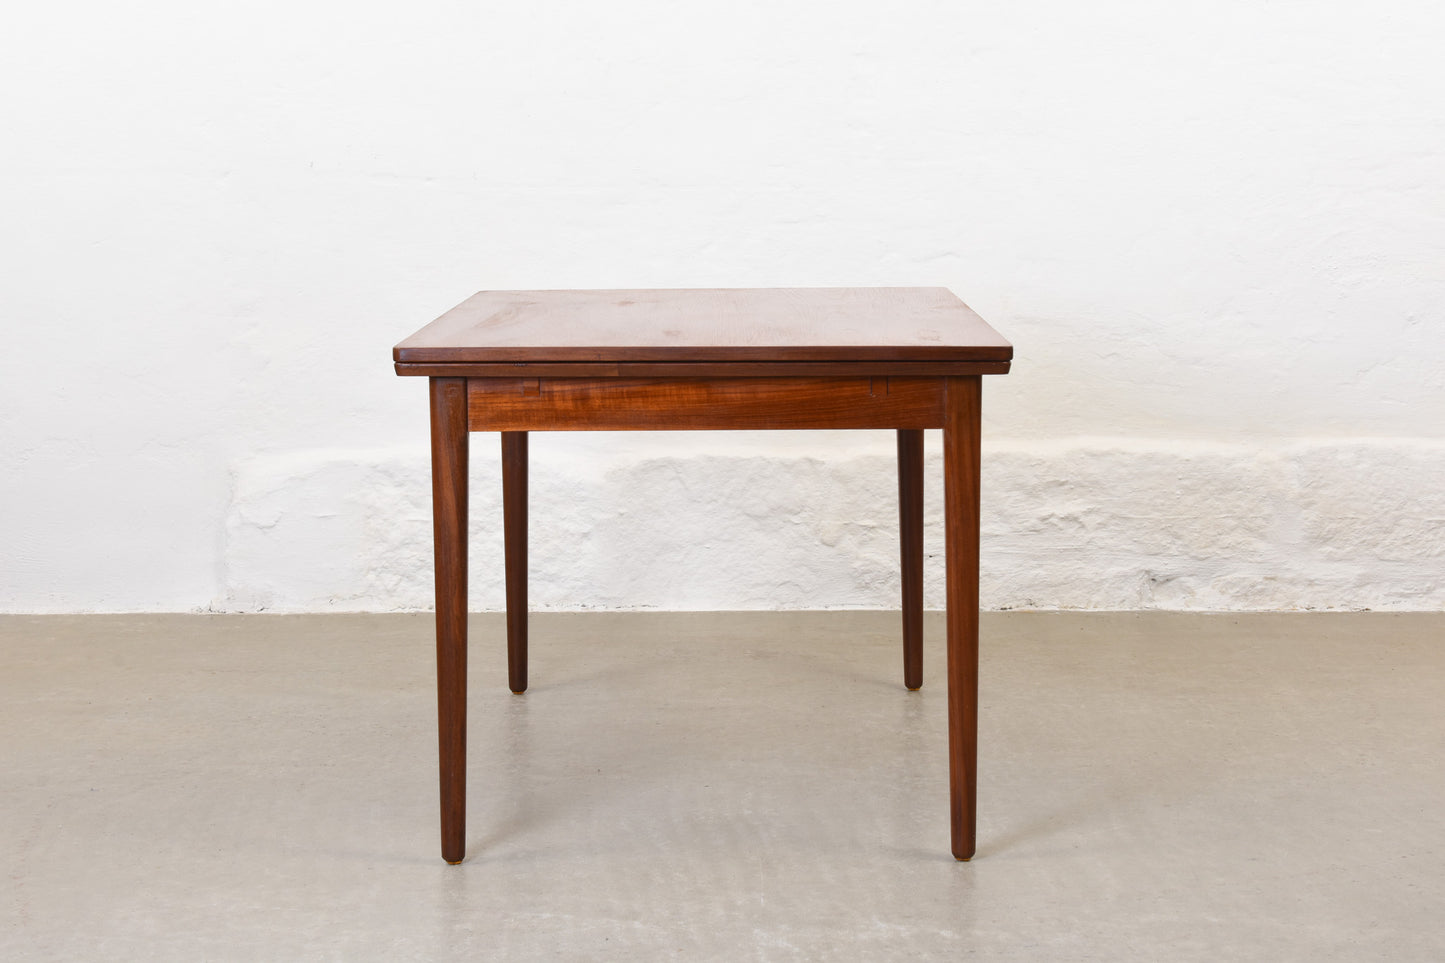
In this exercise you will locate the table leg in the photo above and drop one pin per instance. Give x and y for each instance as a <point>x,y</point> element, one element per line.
<point>961,437</point>
<point>449,450</point>
<point>514,528</point>
<point>910,529</point>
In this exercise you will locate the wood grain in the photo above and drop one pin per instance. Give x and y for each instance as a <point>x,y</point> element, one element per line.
<point>514,537</point>
<point>961,437</point>
<point>515,362</point>
<point>622,404</point>
<point>910,532</point>
<point>700,369</point>
<point>449,451</point>
<point>717,324</point>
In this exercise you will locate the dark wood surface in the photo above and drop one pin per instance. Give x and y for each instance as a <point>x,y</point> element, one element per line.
<point>514,537</point>
<point>514,362</point>
<point>910,541</point>
<point>716,324</point>
<point>632,404</point>
<point>700,369</point>
<point>449,457</point>
<point>961,436</point>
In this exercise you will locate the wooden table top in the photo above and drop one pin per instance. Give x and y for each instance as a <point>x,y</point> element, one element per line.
<point>707,325</point>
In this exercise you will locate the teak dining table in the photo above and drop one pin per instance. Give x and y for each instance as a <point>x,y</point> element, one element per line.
<point>513,362</point>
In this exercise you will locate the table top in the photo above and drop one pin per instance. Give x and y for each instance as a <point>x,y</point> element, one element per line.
<point>707,325</point>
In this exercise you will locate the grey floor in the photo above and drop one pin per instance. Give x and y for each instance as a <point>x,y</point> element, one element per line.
<point>723,786</point>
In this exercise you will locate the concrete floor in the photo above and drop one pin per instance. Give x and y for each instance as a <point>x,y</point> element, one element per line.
<point>723,786</point>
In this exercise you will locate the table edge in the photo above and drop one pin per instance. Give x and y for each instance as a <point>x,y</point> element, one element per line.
<point>765,353</point>
<point>703,369</point>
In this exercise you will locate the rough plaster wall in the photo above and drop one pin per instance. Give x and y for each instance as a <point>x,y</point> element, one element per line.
<point>1216,234</point>
<point>1087,524</point>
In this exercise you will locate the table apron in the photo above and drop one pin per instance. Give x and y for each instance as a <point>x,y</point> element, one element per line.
<point>642,404</point>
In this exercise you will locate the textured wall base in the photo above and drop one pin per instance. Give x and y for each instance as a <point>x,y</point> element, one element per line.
<point>678,521</point>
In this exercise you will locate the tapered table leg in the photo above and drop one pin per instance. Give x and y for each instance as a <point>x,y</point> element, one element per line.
<point>910,529</point>
<point>449,449</point>
<point>961,437</point>
<point>514,527</point>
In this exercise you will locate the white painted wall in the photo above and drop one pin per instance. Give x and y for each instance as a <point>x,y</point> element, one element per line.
<point>1216,234</point>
